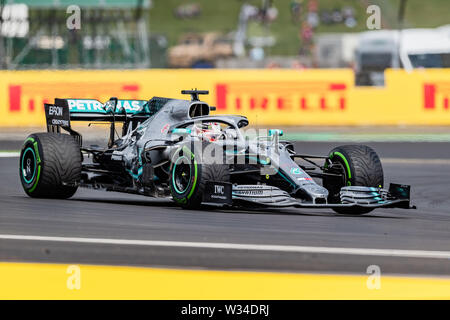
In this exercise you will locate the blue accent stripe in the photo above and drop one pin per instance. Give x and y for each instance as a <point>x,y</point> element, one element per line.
<point>287,179</point>
<point>258,160</point>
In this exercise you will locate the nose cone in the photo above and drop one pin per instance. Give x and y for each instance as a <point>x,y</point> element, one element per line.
<point>315,191</point>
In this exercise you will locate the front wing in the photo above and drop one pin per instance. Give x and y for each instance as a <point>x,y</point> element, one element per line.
<point>398,196</point>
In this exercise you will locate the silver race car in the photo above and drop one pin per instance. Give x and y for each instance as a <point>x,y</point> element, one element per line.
<point>177,148</point>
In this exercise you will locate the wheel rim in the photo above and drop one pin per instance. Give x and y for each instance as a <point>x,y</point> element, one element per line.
<point>28,165</point>
<point>182,174</point>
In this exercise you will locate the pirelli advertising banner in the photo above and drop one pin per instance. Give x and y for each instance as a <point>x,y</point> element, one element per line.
<point>266,97</point>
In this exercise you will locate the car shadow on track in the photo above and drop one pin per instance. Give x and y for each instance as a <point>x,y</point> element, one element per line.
<point>296,212</point>
<point>133,202</point>
<point>256,211</point>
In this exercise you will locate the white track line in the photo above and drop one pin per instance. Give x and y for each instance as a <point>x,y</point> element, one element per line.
<point>236,246</point>
<point>415,161</point>
<point>9,154</point>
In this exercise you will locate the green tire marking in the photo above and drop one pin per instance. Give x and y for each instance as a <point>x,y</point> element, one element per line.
<point>38,161</point>
<point>194,183</point>
<point>340,155</point>
<point>195,178</point>
<point>173,177</point>
<point>30,139</point>
<point>37,180</point>
<point>38,158</point>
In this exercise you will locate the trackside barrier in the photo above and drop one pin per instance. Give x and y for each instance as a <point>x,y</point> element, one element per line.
<point>266,97</point>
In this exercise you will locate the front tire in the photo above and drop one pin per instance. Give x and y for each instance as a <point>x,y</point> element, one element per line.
<point>50,165</point>
<point>359,165</point>
<point>189,174</point>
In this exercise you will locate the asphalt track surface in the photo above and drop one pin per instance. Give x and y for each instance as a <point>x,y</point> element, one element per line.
<point>97,227</point>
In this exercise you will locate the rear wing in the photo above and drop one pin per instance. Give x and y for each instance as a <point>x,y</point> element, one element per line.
<point>65,110</point>
<point>59,114</point>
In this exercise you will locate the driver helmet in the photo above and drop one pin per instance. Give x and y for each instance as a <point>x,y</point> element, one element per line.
<point>210,131</point>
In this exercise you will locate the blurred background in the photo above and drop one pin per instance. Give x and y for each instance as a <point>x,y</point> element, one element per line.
<point>226,34</point>
<point>327,72</point>
<point>331,62</point>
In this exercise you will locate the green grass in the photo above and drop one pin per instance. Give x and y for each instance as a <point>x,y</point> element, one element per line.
<point>216,16</point>
<point>222,15</point>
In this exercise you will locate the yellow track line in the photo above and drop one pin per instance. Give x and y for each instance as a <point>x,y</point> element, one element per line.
<point>52,281</point>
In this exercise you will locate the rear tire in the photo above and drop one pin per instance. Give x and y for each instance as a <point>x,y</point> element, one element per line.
<point>360,166</point>
<point>188,177</point>
<point>50,165</point>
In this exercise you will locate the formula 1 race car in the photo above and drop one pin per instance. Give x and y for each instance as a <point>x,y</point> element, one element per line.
<point>171,147</point>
